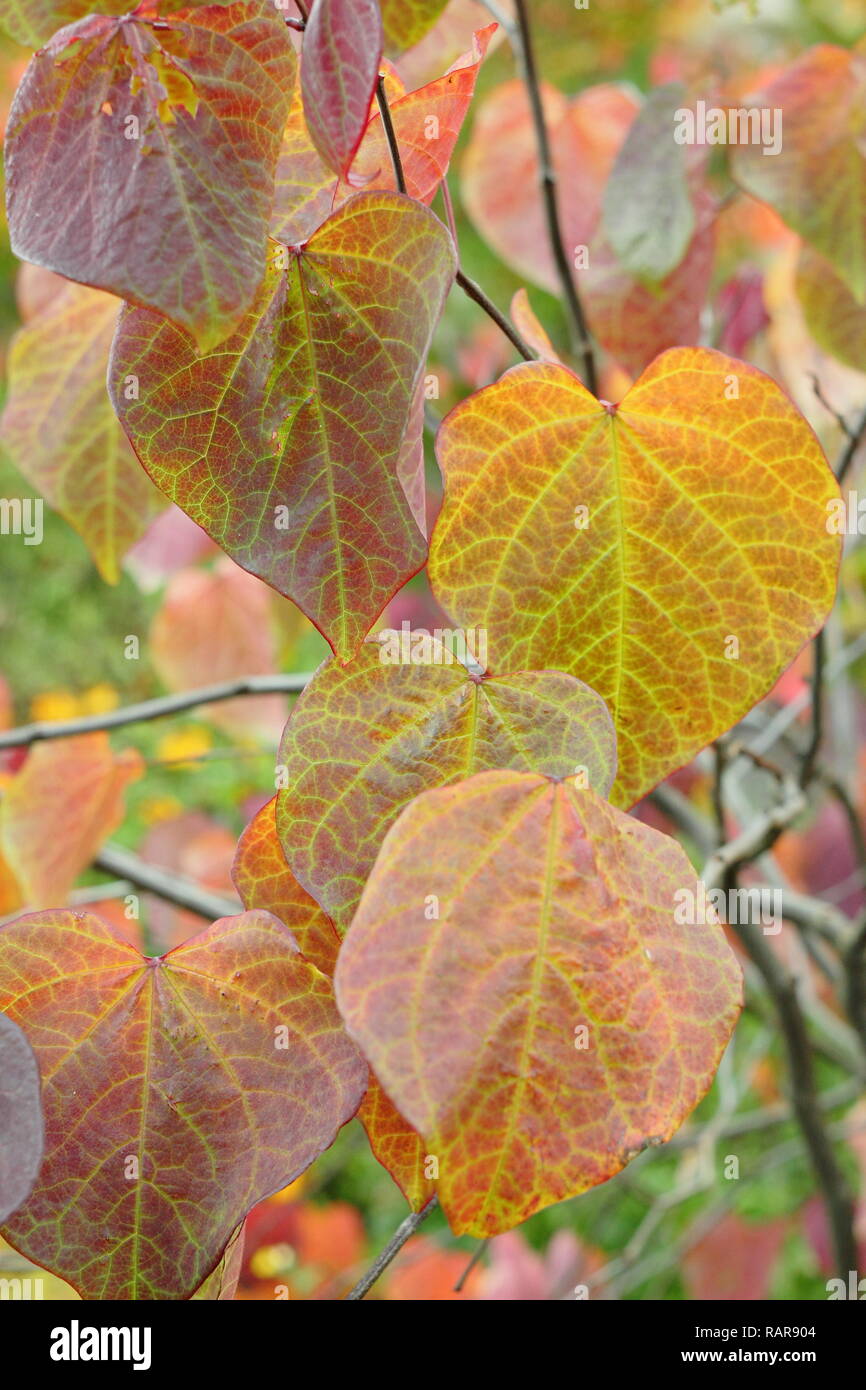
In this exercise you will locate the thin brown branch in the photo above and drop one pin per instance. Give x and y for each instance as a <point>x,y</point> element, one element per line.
<point>468,286</point>
<point>580,336</point>
<point>404,1231</point>
<point>158,708</point>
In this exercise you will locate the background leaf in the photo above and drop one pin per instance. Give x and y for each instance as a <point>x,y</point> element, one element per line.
<point>61,432</point>
<point>647,211</point>
<point>817,179</point>
<point>59,808</point>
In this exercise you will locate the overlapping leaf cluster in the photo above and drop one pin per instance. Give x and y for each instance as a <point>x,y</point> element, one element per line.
<point>450,920</point>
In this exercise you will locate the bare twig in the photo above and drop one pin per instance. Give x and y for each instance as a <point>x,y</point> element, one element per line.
<point>816,732</point>
<point>390,133</point>
<point>158,708</point>
<point>406,1229</point>
<point>172,888</point>
<point>581,341</point>
<point>479,1251</point>
<point>468,286</point>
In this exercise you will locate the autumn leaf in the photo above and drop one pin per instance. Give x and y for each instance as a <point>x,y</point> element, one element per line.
<point>183,118</point>
<point>396,1145</point>
<point>32,22</point>
<point>501,192</point>
<point>407,21</point>
<point>197,1071</point>
<point>291,461</point>
<point>833,317</point>
<point>647,548</point>
<point>22,1135</point>
<point>426,123</point>
<point>366,737</point>
<point>647,210</point>
<point>61,432</point>
<point>816,180</point>
<point>339,67</point>
<point>264,880</point>
<point>526,321</point>
<point>216,625</point>
<point>552,1020</point>
<point>58,810</point>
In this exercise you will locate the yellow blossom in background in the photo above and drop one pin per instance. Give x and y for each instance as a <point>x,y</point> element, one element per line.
<point>184,743</point>
<point>99,699</point>
<point>54,704</point>
<point>158,808</point>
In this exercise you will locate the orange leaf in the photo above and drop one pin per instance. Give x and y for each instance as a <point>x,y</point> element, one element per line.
<point>648,548</point>
<point>536,1050</point>
<point>57,811</point>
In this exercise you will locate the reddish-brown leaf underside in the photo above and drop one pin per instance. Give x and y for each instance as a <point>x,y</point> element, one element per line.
<point>553,1019</point>
<point>339,67</point>
<point>21,1125</point>
<point>173,1098</point>
<point>285,445</point>
<point>141,158</point>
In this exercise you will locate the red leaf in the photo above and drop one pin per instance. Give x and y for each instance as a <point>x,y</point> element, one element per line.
<point>141,157</point>
<point>290,458</point>
<point>339,68</point>
<point>176,1063</point>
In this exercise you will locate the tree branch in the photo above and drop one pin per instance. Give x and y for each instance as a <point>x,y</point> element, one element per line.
<point>172,888</point>
<point>581,341</point>
<point>468,286</point>
<point>406,1229</point>
<point>154,709</point>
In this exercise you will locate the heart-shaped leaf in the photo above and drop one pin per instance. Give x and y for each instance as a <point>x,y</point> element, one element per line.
<point>290,459</point>
<point>141,157</point>
<point>22,1130</point>
<point>339,67</point>
<point>367,737</point>
<point>61,432</point>
<point>648,548</point>
<point>538,1046</point>
<point>178,1092</point>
